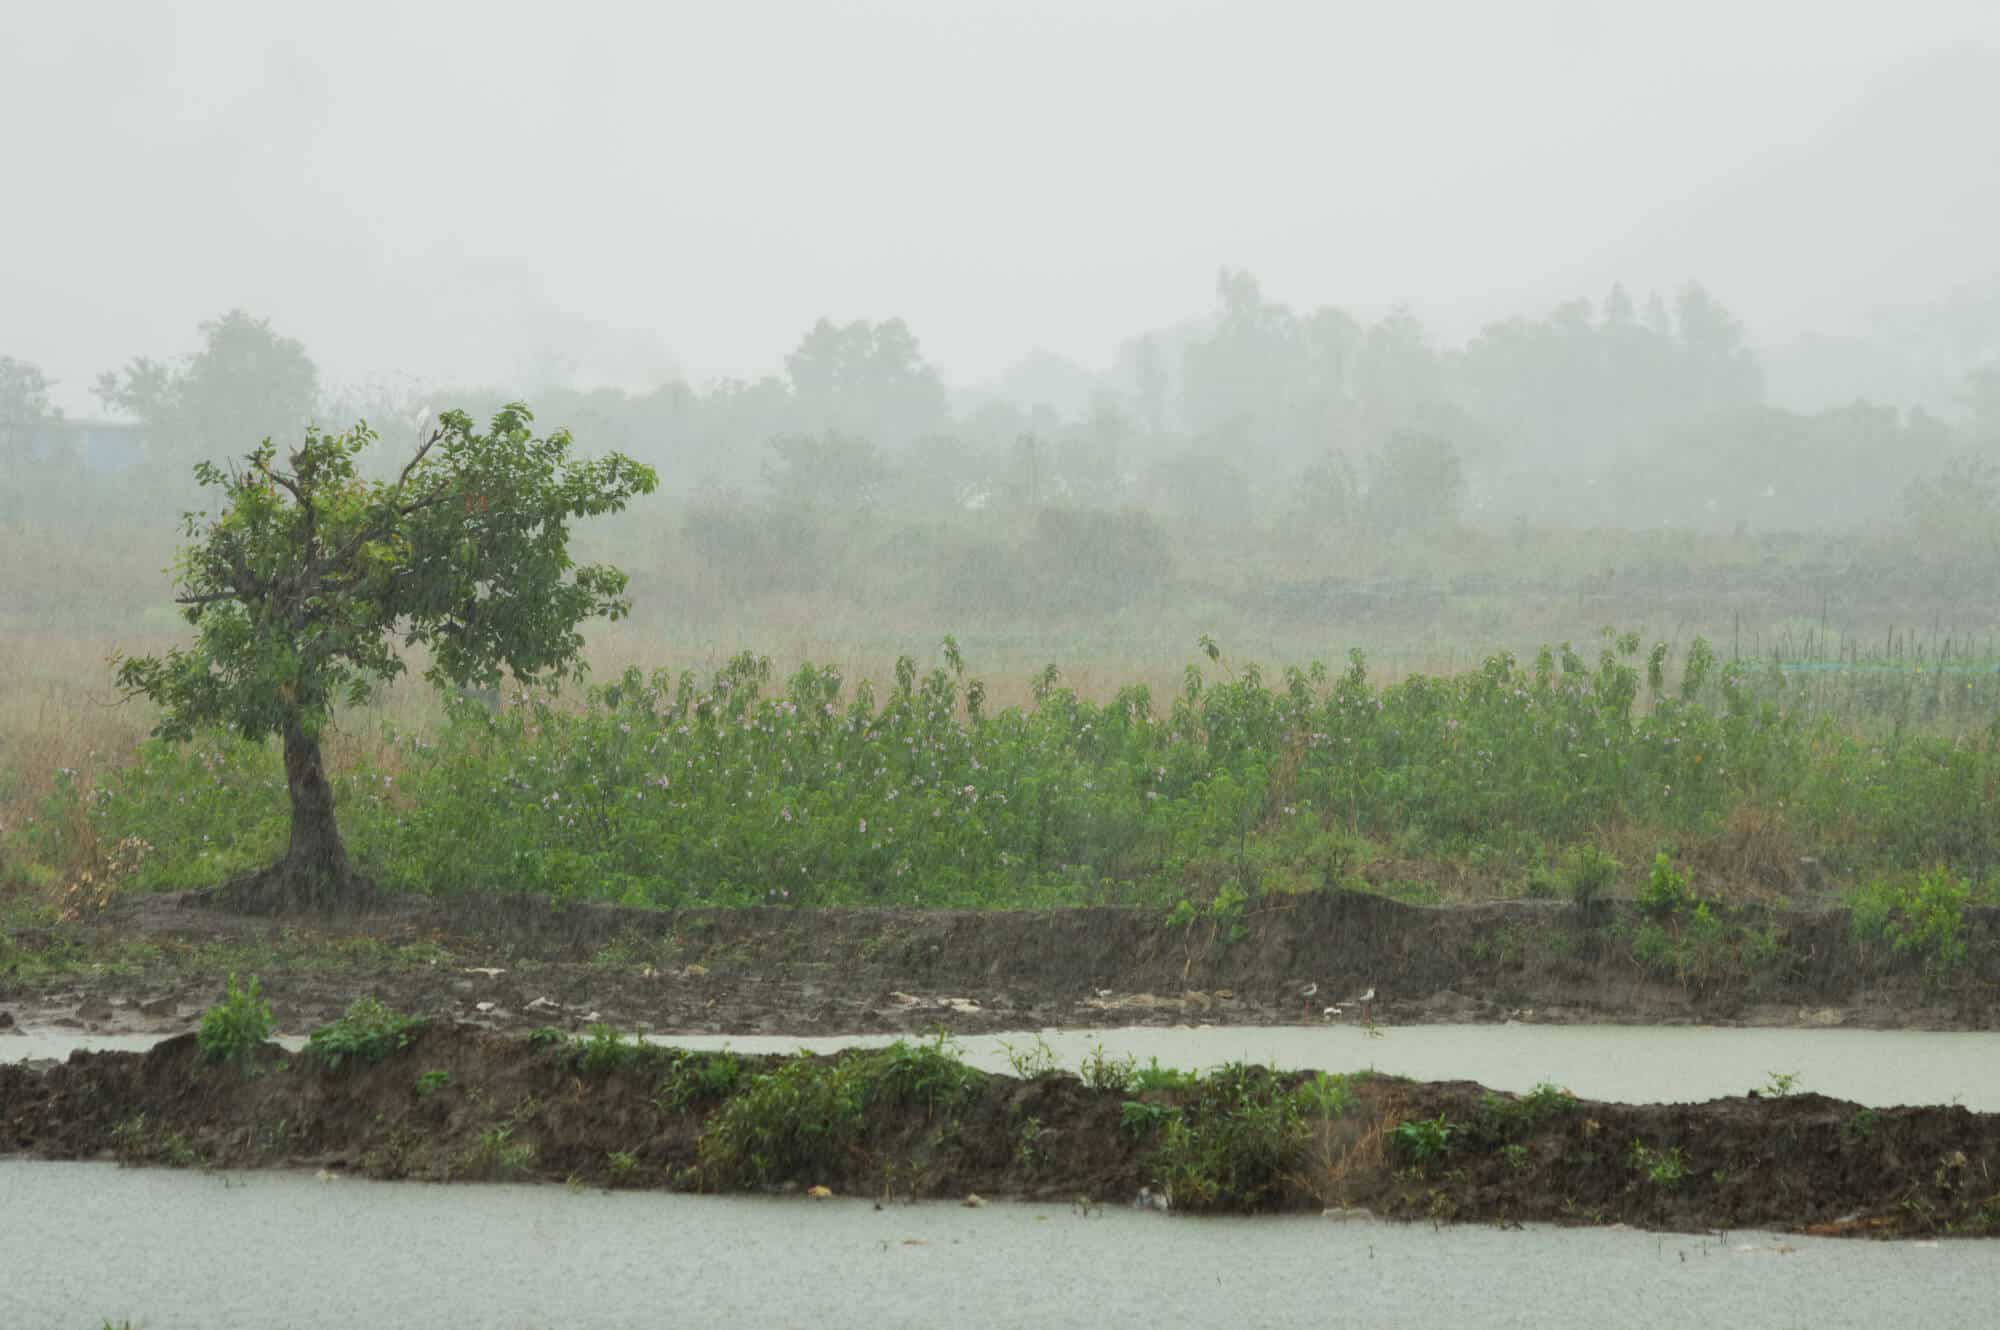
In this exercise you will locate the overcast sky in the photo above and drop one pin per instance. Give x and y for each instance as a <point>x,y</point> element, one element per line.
<point>459,191</point>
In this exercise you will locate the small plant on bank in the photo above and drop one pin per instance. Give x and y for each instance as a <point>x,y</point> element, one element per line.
<point>1588,873</point>
<point>369,1032</point>
<point>1326,1095</point>
<point>1862,1126</point>
<point>1666,891</point>
<point>622,1165</point>
<point>1101,1072</point>
<point>1237,1143</point>
<point>234,1028</point>
<point>1033,1061</point>
<point>432,1081</point>
<point>696,1078</point>
<point>929,1074</point>
<point>545,1037</point>
<point>1665,1169</point>
<point>603,1050</point>
<point>1924,918</point>
<point>1153,1076</point>
<point>1423,1141</point>
<point>1027,1146</point>
<point>1503,1119</point>
<point>789,1120</point>
<point>1779,1084</point>
<point>496,1154</point>
<point>1140,1120</point>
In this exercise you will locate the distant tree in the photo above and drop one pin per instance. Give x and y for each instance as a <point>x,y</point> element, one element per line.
<point>24,410</point>
<point>1415,483</point>
<point>868,379</point>
<point>1957,510</point>
<point>246,382</point>
<point>1722,371</point>
<point>1205,493</point>
<point>1982,401</point>
<point>1086,561</point>
<point>1398,375</point>
<point>939,473</point>
<point>841,474</point>
<point>1325,503</point>
<point>300,587</point>
<point>1151,372</point>
<point>1237,381</point>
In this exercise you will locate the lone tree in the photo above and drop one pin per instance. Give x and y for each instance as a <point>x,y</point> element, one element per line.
<point>299,588</point>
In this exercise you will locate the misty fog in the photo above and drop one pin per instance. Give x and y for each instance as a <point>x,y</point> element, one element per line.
<point>950,317</point>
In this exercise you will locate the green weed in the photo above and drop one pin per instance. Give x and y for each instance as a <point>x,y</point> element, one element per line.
<point>1101,1072</point>
<point>697,1078</point>
<point>1422,1141</point>
<point>929,1074</point>
<point>368,1032</point>
<point>235,1028</point>
<point>1236,1143</point>
<point>1665,1169</point>
<point>1923,917</point>
<point>802,1116</point>
<point>1031,1061</point>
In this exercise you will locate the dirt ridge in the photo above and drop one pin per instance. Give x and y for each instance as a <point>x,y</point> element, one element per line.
<point>518,962</point>
<point>461,1104</point>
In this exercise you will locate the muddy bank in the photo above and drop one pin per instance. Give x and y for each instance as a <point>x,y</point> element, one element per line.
<point>512,962</point>
<point>462,1104</point>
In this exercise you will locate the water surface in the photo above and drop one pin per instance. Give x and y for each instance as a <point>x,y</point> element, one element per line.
<point>179,1249</point>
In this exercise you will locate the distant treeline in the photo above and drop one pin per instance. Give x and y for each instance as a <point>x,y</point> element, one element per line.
<point>1258,449</point>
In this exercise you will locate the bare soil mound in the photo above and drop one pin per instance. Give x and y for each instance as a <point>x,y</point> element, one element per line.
<point>458,1103</point>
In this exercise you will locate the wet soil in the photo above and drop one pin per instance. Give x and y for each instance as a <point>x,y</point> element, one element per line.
<point>458,1103</point>
<point>513,962</point>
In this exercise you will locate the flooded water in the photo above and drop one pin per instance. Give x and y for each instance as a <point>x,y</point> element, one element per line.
<point>85,1242</point>
<point>1633,1064</point>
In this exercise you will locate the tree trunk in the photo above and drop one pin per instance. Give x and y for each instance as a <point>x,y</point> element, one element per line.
<point>315,874</point>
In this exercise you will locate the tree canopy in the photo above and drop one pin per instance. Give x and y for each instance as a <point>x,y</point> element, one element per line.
<point>304,585</point>
<point>246,382</point>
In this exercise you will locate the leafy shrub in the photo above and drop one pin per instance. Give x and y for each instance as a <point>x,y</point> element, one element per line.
<point>1662,1168</point>
<point>1666,891</point>
<point>1140,1119</point>
<point>1101,1072</point>
<point>1924,917</point>
<point>235,1028</point>
<point>803,1116</point>
<point>1234,1144</point>
<point>1153,1076</point>
<point>1422,1141</point>
<point>695,1078</point>
<point>369,1032</point>
<point>1033,1061</point>
<point>929,1074</point>
<point>1588,873</point>
<point>603,1050</point>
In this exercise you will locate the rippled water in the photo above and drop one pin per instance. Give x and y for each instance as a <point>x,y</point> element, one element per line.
<point>1635,1064</point>
<point>83,1242</point>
